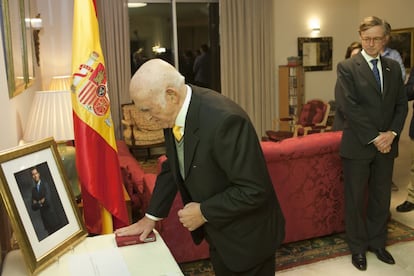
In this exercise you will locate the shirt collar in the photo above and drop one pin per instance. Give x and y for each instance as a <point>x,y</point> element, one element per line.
<point>368,58</point>
<point>180,120</point>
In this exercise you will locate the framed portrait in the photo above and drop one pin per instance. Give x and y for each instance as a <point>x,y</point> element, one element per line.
<point>38,199</point>
<point>403,41</point>
<point>316,53</point>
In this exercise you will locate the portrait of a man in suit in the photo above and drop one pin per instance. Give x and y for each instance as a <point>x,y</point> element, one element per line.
<point>42,200</point>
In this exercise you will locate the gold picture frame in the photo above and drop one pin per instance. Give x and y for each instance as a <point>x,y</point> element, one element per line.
<point>18,45</point>
<point>45,218</point>
<point>403,41</point>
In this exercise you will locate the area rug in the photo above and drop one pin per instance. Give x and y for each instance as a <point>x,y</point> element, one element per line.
<point>308,251</point>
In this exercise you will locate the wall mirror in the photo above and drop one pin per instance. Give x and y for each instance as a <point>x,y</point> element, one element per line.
<point>316,53</point>
<point>18,44</point>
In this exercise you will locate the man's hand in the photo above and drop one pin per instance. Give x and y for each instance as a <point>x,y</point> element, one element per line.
<point>190,216</point>
<point>383,141</point>
<point>142,227</point>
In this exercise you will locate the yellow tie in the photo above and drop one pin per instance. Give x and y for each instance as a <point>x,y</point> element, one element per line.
<point>177,133</point>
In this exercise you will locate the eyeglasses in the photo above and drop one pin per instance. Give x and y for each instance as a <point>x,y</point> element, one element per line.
<point>377,39</point>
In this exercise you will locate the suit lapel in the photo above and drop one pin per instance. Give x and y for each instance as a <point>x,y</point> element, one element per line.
<point>366,71</point>
<point>192,138</point>
<point>386,75</point>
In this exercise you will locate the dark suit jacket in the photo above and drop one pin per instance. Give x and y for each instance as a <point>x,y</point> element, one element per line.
<point>47,211</point>
<point>226,172</point>
<point>409,89</point>
<point>367,111</point>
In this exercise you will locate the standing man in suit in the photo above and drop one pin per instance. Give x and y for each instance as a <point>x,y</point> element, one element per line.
<point>219,169</point>
<point>370,92</point>
<point>41,201</point>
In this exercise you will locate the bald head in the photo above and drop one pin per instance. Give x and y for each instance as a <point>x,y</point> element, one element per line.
<point>153,78</point>
<point>157,87</point>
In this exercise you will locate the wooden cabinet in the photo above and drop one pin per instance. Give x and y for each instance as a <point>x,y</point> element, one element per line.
<point>291,93</point>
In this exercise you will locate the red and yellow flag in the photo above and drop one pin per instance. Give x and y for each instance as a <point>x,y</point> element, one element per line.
<point>96,153</point>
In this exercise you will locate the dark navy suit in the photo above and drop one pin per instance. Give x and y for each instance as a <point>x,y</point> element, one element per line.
<point>368,111</point>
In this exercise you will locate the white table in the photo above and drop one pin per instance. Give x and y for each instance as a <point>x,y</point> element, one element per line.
<point>147,259</point>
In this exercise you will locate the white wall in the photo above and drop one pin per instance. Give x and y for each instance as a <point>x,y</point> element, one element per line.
<point>55,39</point>
<point>399,13</point>
<point>338,19</point>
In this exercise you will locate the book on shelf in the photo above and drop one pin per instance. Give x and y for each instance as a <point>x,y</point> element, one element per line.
<point>293,100</point>
<point>293,82</point>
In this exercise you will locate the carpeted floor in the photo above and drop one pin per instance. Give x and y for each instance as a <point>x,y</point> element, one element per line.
<point>308,251</point>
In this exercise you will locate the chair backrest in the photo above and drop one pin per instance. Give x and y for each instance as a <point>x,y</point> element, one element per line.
<point>139,129</point>
<point>314,113</point>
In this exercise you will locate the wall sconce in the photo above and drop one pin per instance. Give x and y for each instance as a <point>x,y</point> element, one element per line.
<point>36,24</point>
<point>315,26</point>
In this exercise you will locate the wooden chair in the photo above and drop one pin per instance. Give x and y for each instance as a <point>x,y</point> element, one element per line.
<point>312,119</point>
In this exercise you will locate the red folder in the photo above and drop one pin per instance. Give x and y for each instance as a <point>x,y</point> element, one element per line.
<point>134,239</point>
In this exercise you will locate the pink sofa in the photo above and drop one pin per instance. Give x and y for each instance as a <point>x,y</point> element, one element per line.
<point>307,175</point>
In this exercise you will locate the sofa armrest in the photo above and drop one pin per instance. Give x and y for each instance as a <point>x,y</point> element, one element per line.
<point>302,146</point>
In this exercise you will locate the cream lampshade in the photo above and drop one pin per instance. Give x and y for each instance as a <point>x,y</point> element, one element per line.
<point>60,83</point>
<point>50,115</point>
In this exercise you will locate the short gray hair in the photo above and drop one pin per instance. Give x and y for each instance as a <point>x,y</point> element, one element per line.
<point>372,21</point>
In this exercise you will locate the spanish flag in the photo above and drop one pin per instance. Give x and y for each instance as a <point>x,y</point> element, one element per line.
<point>96,152</point>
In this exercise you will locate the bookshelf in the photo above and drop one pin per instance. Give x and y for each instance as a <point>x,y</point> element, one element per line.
<point>291,93</point>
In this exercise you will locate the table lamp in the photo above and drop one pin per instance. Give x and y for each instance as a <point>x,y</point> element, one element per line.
<point>51,116</point>
<point>62,83</point>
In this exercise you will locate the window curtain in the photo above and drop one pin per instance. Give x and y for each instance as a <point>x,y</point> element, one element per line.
<point>247,58</point>
<point>114,32</point>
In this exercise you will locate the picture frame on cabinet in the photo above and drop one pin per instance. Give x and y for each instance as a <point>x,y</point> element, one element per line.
<point>39,202</point>
<point>316,53</point>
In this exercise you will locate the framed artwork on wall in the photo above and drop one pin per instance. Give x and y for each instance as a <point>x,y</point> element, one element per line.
<point>316,53</point>
<point>40,204</point>
<point>403,41</point>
